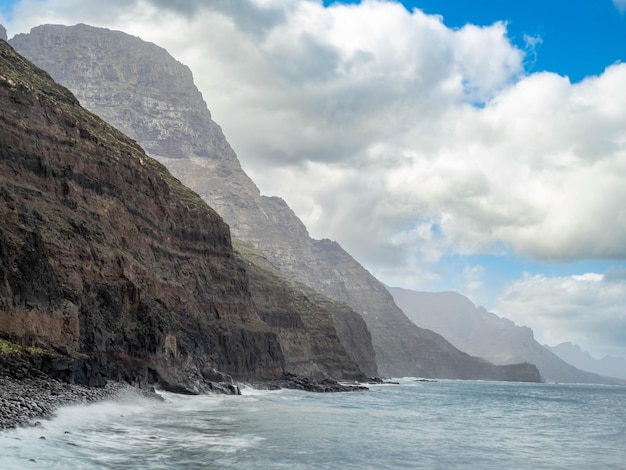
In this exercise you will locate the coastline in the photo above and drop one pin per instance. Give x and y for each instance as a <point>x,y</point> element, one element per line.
<point>444,424</point>
<point>23,402</point>
<point>28,395</point>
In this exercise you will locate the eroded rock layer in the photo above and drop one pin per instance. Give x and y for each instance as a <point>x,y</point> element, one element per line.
<point>142,90</point>
<point>108,264</point>
<point>302,318</point>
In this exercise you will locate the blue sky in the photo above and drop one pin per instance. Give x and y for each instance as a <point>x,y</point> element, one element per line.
<point>484,152</point>
<point>578,37</point>
<point>7,5</point>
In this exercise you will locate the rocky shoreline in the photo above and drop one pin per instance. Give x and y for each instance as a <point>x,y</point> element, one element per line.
<point>27,395</point>
<point>25,402</point>
<point>307,384</point>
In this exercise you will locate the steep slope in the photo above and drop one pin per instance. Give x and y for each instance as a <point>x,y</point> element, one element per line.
<point>608,366</point>
<point>485,334</point>
<point>302,319</point>
<point>142,90</point>
<point>107,262</point>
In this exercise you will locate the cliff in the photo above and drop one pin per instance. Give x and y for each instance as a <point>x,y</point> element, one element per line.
<point>484,334</point>
<point>142,90</point>
<point>302,319</point>
<point>109,266</point>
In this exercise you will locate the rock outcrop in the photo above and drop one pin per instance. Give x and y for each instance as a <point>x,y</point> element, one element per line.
<point>481,333</point>
<point>27,394</point>
<point>302,318</point>
<point>108,265</point>
<point>142,90</point>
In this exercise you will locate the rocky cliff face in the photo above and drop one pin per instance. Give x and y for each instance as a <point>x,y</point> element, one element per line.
<point>484,334</point>
<point>163,110</point>
<point>108,264</point>
<point>302,318</point>
<point>142,90</point>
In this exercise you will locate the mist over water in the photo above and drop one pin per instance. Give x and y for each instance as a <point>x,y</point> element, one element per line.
<point>445,424</point>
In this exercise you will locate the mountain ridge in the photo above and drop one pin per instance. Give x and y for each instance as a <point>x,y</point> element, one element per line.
<point>72,56</point>
<point>482,333</point>
<point>110,268</point>
<point>608,366</point>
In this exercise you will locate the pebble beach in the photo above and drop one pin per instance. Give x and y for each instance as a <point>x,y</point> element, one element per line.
<point>24,402</point>
<point>28,395</point>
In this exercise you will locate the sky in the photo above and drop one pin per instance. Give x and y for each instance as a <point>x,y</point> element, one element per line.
<point>477,146</point>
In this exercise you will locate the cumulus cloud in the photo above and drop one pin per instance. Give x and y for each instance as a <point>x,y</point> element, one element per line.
<point>420,124</point>
<point>399,137</point>
<point>538,168</point>
<point>29,13</point>
<point>586,309</point>
<point>408,141</point>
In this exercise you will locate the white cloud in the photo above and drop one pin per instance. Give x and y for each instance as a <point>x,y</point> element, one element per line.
<point>381,99</point>
<point>531,43</point>
<point>586,309</point>
<point>620,5</point>
<point>399,137</point>
<point>473,279</point>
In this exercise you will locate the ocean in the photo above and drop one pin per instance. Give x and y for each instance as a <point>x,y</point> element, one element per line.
<point>417,425</point>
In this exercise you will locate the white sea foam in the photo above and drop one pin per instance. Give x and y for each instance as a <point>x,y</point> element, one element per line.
<point>248,390</point>
<point>444,424</point>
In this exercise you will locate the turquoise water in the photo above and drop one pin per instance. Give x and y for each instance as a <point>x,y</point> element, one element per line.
<point>430,425</point>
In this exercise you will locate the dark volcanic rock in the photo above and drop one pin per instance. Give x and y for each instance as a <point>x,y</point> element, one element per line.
<point>142,90</point>
<point>27,394</point>
<point>307,384</point>
<point>107,262</point>
<point>302,319</point>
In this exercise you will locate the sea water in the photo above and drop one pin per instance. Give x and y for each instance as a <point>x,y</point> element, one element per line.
<point>416,424</point>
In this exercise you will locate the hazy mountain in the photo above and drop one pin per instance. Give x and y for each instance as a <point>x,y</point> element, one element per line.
<point>608,366</point>
<point>481,333</point>
<point>141,89</point>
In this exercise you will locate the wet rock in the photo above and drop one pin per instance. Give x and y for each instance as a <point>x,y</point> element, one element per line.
<point>307,384</point>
